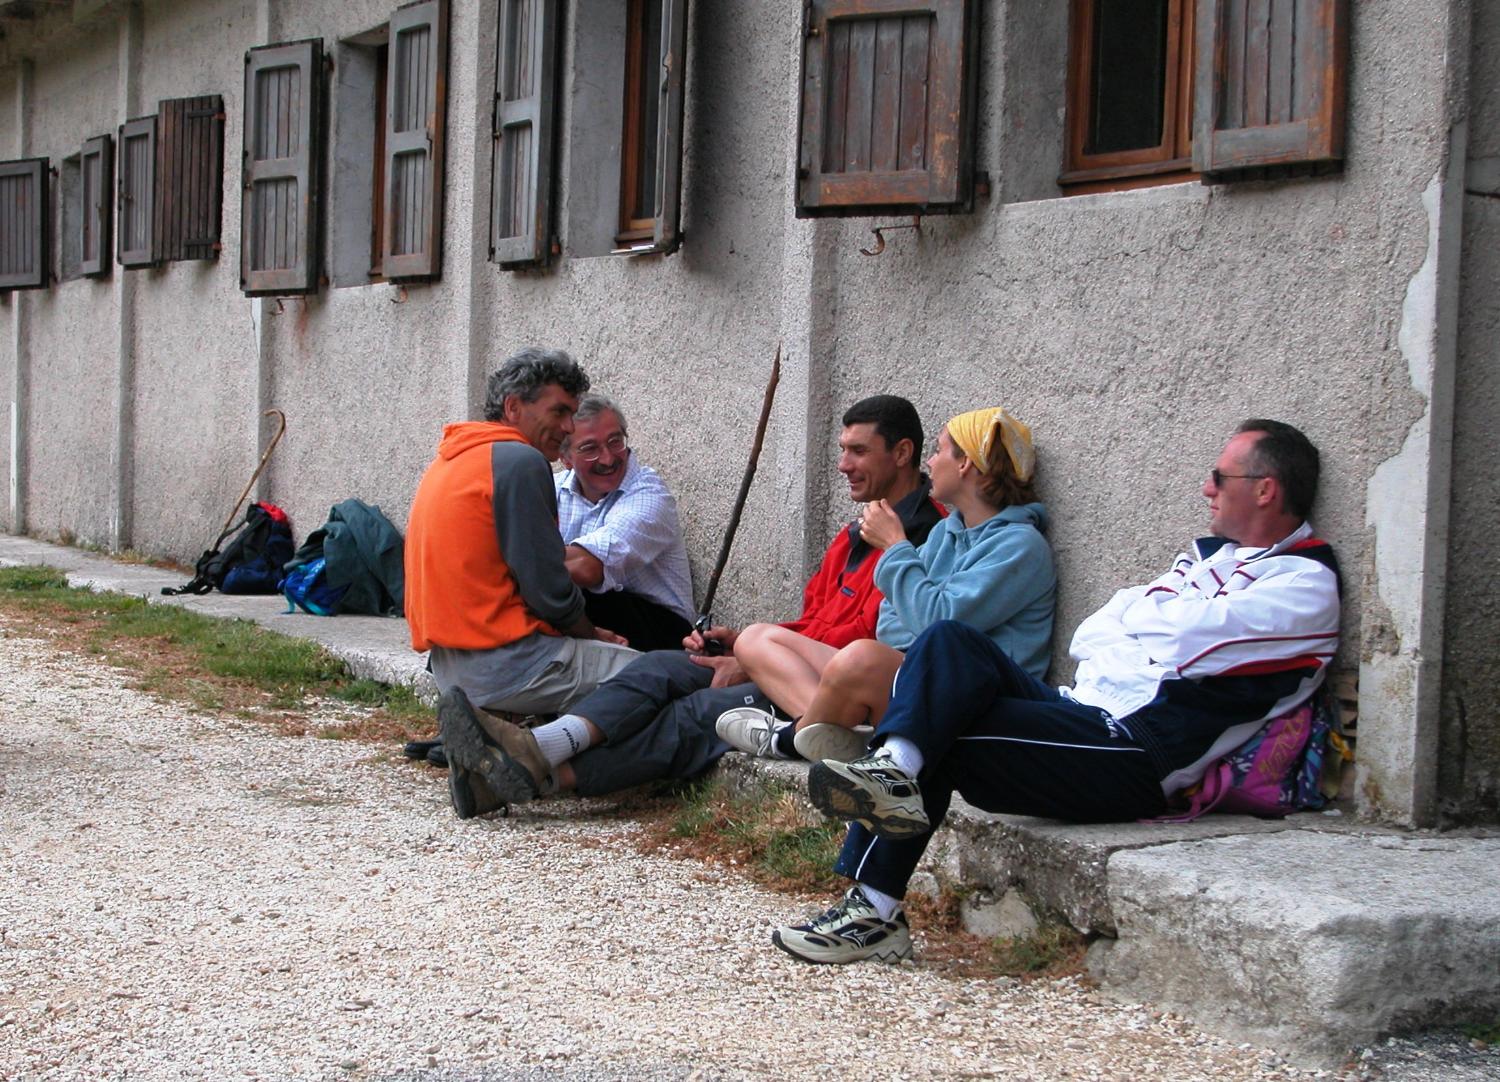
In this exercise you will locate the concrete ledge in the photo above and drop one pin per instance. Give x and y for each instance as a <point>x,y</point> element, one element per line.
<point>373,647</point>
<point>1311,942</point>
<point>1060,868</point>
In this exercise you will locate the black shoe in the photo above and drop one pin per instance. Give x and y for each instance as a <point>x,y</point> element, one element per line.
<point>436,755</point>
<point>420,749</point>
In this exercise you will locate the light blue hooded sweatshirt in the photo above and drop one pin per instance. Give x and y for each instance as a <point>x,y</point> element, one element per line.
<point>997,577</point>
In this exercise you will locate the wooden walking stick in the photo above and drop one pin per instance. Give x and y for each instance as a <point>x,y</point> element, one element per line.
<point>714,646</point>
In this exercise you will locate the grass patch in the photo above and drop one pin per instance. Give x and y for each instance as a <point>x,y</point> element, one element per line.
<point>211,663</point>
<point>1488,1032</point>
<point>780,843</point>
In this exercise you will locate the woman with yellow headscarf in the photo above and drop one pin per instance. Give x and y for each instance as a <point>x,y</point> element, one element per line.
<point>987,564</point>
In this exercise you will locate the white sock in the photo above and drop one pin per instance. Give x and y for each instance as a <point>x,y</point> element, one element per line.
<point>562,739</point>
<point>904,753</point>
<point>884,904</point>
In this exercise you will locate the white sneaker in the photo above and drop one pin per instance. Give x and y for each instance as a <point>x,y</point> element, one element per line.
<point>823,741</point>
<point>849,932</point>
<point>750,729</point>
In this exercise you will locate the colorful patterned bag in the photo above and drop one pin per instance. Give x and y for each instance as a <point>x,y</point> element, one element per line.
<point>1276,772</point>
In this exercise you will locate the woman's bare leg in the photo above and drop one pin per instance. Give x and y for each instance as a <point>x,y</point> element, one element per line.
<point>783,664</point>
<point>856,686</point>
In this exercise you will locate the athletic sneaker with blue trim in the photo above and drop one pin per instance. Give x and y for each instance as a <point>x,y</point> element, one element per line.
<point>873,792</point>
<point>849,932</point>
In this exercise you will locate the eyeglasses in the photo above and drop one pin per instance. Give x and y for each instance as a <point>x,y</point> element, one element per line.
<point>590,452</point>
<point>1219,477</point>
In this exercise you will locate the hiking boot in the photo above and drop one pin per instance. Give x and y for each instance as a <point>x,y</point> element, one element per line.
<point>436,755</point>
<point>821,741</point>
<point>849,932</point>
<point>873,792</point>
<point>470,795</point>
<point>503,755</point>
<point>420,749</point>
<point>750,729</point>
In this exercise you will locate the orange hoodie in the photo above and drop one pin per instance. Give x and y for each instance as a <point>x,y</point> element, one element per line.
<point>460,592</point>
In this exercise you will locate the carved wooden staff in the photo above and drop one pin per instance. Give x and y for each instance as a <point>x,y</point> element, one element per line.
<point>714,646</point>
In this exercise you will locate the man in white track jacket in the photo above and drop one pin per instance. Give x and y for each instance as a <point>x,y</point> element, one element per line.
<point>1171,675</point>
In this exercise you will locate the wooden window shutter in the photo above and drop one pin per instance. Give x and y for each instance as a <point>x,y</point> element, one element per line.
<point>522,158</point>
<point>24,225</point>
<point>95,200</point>
<point>1270,83</point>
<point>189,177</point>
<point>667,234</point>
<point>279,211</point>
<point>417,88</point>
<point>135,177</point>
<point>888,107</point>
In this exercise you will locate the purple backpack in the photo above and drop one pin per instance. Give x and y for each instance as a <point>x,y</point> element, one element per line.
<point>1274,773</point>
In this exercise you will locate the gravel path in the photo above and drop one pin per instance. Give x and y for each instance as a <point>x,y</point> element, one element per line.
<point>190,897</point>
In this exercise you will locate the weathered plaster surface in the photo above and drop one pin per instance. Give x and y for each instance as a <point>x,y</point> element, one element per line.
<point>10,146</point>
<point>1395,753</point>
<point>1469,757</point>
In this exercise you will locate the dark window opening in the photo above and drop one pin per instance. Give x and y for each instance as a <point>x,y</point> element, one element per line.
<point>1128,76</point>
<point>377,184</point>
<point>1130,102</point>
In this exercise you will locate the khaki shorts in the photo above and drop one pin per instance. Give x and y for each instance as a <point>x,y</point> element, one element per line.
<point>579,667</point>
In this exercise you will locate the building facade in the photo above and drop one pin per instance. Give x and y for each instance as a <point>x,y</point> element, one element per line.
<point>1303,226</point>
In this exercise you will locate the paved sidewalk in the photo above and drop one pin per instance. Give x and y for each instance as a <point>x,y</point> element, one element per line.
<point>1313,935</point>
<point>374,647</point>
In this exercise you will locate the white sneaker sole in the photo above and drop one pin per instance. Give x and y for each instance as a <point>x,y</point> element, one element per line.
<point>821,741</point>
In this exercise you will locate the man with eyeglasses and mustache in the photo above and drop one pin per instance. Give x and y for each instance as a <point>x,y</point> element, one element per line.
<point>1172,675</point>
<point>619,522</point>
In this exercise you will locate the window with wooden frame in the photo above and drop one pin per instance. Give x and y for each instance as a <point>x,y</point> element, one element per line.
<point>135,182</point>
<point>1164,90</point>
<point>625,104</point>
<point>25,225</point>
<point>170,183</point>
<point>638,134</point>
<point>377,178</point>
<point>189,177</point>
<point>651,131</point>
<point>282,179</point>
<point>888,110</point>
<point>411,151</point>
<point>95,201</point>
<point>522,128</point>
<point>1130,79</point>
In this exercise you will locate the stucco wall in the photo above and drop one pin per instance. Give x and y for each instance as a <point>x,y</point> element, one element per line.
<point>1470,759</point>
<point>11,145</point>
<point>1131,330</point>
<point>73,327</point>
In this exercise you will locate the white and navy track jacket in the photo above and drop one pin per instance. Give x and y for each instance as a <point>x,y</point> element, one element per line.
<point>1222,611</point>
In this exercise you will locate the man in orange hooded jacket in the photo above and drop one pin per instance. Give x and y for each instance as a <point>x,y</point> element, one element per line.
<point>487,591</point>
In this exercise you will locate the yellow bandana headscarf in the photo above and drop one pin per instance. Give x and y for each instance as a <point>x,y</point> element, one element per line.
<point>976,432</point>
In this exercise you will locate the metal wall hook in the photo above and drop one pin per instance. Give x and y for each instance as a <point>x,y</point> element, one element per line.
<point>881,230</point>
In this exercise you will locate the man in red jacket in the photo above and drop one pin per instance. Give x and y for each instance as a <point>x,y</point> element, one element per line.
<point>655,719</point>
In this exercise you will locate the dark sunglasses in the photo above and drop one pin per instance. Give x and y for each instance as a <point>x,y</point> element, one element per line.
<point>1219,477</point>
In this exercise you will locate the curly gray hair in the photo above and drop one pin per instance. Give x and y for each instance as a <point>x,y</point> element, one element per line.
<point>526,373</point>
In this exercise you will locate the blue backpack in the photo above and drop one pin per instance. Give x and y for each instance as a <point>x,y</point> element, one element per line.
<point>306,587</point>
